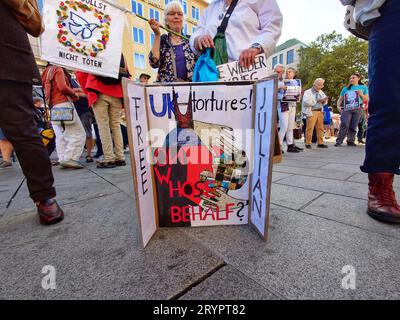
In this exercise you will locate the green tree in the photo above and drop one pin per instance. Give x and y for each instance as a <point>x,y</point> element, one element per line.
<point>333,58</point>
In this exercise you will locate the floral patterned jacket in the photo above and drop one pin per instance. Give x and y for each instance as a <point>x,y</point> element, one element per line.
<point>166,63</point>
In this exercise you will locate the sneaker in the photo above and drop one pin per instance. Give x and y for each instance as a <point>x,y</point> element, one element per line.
<point>308,146</point>
<point>5,164</point>
<point>337,144</point>
<point>351,144</point>
<point>361,141</point>
<point>292,149</point>
<point>120,163</point>
<point>106,165</point>
<point>71,164</point>
<point>322,146</point>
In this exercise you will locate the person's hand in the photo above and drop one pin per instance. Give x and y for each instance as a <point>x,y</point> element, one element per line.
<point>248,57</point>
<point>155,26</point>
<point>204,42</point>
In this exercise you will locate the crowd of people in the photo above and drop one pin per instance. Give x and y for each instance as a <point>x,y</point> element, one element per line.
<point>90,99</point>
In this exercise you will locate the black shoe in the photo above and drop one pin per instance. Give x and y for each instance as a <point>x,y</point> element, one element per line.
<point>351,144</point>
<point>323,146</point>
<point>292,149</point>
<point>308,146</point>
<point>361,141</point>
<point>120,163</point>
<point>298,148</point>
<point>338,145</point>
<point>106,165</point>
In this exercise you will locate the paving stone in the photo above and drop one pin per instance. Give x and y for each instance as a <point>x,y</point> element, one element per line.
<point>352,168</point>
<point>350,211</point>
<point>279,175</point>
<point>292,197</point>
<point>363,178</point>
<point>97,254</point>
<point>305,256</point>
<point>327,185</point>
<point>328,174</point>
<point>301,164</point>
<point>86,186</point>
<point>228,284</point>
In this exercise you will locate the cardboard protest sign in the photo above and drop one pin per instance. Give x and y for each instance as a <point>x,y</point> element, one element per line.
<point>193,151</point>
<point>293,90</point>
<point>232,71</point>
<point>84,35</point>
<point>352,101</point>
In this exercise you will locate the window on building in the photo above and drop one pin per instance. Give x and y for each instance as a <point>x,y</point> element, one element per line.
<point>184,5</point>
<point>195,13</point>
<point>290,57</point>
<point>154,14</point>
<point>185,29</point>
<point>281,58</point>
<point>139,61</point>
<point>137,8</point>
<point>152,38</point>
<point>274,61</point>
<point>193,30</point>
<point>138,35</point>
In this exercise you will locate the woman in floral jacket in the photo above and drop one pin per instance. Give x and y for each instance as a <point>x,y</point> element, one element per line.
<point>171,54</point>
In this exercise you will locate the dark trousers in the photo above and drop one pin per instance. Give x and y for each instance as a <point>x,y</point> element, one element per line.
<point>19,126</point>
<point>383,133</point>
<point>99,146</point>
<point>362,126</point>
<point>348,125</point>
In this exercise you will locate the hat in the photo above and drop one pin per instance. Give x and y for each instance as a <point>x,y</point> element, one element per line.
<point>145,75</point>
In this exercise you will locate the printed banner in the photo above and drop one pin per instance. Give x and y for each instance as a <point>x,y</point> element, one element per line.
<point>233,72</point>
<point>198,141</point>
<point>293,90</point>
<point>83,34</point>
<point>352,101</point>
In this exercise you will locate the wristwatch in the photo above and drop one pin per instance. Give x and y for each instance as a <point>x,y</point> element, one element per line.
<point>257,46</point>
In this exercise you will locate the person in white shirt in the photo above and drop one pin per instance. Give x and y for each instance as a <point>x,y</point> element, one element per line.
<point>254,27</point>
<point>312,107</point>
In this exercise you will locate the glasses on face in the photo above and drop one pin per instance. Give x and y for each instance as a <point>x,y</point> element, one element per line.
<point>172,13</point>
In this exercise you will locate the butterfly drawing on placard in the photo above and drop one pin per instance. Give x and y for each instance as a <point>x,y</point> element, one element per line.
<point>81,27</point>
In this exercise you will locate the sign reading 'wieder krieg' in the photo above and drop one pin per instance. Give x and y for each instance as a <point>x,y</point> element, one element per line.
<point>201,153</point>
<point>232,71</point>
<point>84,35</point>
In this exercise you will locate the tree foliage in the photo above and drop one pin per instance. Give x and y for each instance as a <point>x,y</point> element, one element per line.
<point>333,58</point>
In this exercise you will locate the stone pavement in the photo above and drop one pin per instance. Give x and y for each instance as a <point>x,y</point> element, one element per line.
<point>318,225</point>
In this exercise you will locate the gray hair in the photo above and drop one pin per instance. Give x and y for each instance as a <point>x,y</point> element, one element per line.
<point>279,65</point>
<point>173,5</point>
<point>319,80</point>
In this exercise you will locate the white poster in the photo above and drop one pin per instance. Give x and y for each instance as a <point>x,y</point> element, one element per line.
<point>232,71</point>
<point>263,155</point>
<point>83,34</point>
<point>135,103</point>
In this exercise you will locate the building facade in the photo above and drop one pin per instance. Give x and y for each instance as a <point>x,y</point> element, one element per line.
<point>287,54</point>
<point>138,37</point>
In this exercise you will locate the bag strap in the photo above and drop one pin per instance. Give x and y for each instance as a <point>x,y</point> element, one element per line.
<point>224,23</point>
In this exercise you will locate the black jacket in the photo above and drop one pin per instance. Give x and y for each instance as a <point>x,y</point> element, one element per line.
<point>16,55</point>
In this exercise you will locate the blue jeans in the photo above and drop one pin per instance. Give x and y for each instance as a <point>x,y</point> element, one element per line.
<point>383,133</point>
